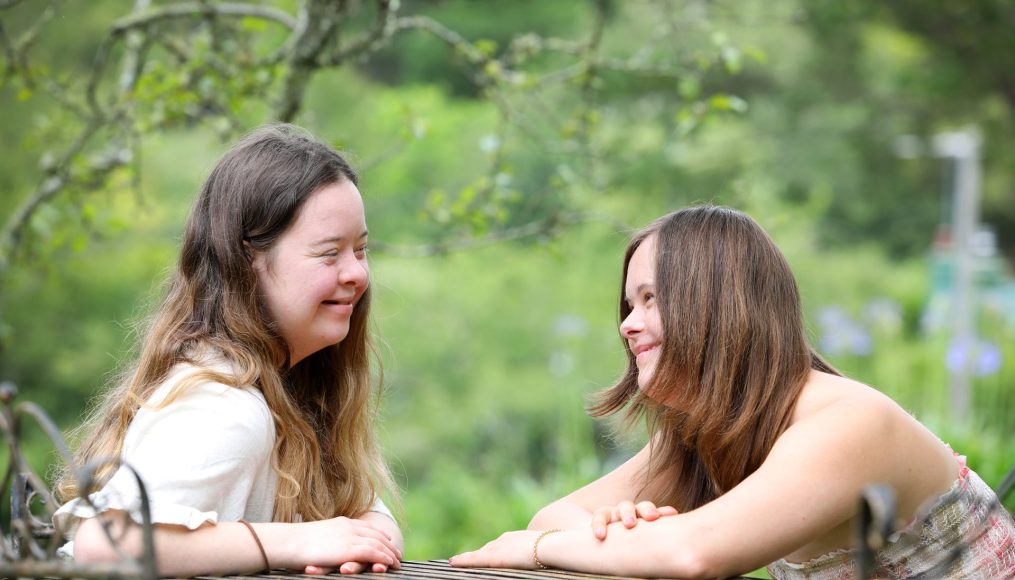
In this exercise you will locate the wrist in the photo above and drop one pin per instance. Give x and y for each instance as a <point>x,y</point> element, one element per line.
<point>275,537</point>
<point>260,546</point>
<point>536,561</point>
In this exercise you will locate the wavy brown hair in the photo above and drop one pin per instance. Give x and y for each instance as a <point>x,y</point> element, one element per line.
<point>734,355</point>
<point>326,456</point>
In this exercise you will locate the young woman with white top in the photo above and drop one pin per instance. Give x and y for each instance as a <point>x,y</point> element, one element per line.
<point>249,411</point>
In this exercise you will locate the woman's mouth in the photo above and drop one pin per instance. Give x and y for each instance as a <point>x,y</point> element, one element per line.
<point>343,306</point>
<point>644,351</point>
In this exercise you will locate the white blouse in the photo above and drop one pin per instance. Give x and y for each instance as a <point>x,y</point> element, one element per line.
<point>204,457</point>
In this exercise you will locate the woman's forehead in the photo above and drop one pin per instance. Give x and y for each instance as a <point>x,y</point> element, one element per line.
<point>641,268</point>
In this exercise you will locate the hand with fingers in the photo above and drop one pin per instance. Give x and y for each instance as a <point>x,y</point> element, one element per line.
<point>628,513</point>
<point>510,550</point>
<point>350,546</point>
<point>347,568</point>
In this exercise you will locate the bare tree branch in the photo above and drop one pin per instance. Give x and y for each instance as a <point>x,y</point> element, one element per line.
<point>10,53</point>
<point>528,100</point>
<point>29,36</point>
<point>316,29</point>
<point>190,9</point>
<point>384,27</point>
<point>53,183</point>
<point>467,49</point>
<point>132,62</point>
<point>16,49</point>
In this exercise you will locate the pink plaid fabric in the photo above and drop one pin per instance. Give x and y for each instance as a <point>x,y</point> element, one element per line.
<point>966,515</point>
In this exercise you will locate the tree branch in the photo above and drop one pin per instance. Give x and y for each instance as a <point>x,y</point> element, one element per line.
<point>15,49</point>
<point>525,109</point>
<point>53,182</point>
<point>9,53</point>
<point>189,9</point>
<point>317,27</point>
<point>384,27</point>
<point>132,62</point>
<point>471,53</point>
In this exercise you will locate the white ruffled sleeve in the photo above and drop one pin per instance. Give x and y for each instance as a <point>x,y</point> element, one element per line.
<point>203,458</point>
<point>380,508</point>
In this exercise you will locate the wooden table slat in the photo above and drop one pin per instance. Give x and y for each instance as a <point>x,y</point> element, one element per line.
<point>441,570</point>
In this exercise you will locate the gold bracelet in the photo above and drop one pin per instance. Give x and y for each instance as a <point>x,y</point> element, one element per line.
<point>535,548</point>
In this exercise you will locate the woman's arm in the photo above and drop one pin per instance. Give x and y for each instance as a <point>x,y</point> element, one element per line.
<point>808,485</point>
<point>386,524</point>
<point>229,548</point>
<point>576,509</point>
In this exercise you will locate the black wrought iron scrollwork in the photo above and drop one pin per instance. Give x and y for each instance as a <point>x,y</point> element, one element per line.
<point>877,522</point>
<point>32,539</point>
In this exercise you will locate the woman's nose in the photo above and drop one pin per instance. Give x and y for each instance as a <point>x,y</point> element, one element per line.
<point>354,272</point>
<point>631,325</point>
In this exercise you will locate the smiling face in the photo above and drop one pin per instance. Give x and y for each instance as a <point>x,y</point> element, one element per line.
<point>643,328</point>
<point>313,276</point>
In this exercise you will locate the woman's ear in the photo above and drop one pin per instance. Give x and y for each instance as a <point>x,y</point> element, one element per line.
<point>255,257</point>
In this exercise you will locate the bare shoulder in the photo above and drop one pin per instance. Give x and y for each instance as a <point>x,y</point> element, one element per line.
<point>830,394</point>
<point>829,401</point>
<point>885,442</point>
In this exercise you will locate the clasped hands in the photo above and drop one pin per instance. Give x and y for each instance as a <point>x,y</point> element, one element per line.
<point>517,549</point>
<point>350,546</point>
<point>627,513</point>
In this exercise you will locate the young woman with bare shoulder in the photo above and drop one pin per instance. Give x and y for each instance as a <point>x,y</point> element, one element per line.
<point>759,449</point>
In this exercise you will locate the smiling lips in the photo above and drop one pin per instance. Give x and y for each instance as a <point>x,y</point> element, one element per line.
<point>342,305</point>
<point>644,349</point>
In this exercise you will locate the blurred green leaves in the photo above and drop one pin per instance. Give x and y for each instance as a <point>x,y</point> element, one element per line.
<point>502,169</point>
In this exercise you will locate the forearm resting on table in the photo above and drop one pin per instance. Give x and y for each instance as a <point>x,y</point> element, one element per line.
<point>210,549</point>
<point>646,550</point>
<point>562,513</point>
<point>230,548</point>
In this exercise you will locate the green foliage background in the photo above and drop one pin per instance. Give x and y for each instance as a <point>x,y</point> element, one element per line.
<point>490,353</point>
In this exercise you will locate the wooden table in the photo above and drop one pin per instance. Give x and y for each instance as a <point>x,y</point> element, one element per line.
<point>440,570</point>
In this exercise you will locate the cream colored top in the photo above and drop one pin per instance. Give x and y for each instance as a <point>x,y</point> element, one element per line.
<point>204,458</point>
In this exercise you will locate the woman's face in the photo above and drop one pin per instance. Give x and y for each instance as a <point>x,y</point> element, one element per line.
<point>643,327</point>
<point>316,272</point>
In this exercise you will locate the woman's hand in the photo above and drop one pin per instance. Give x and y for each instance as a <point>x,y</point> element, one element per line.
<point>346,568</point>
<point>628,513</point>
<point>510,550</point>
<point>349,545</point>
<point>381,521</point>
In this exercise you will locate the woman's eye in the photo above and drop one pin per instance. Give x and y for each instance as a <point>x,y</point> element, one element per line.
<point>362,252</point>
<point>650,297</point>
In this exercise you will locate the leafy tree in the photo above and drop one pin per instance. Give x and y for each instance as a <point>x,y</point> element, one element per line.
<point>230,65</point>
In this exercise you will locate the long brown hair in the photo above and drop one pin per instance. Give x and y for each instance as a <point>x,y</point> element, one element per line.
<point>326,456</point>
<point>734,355</point>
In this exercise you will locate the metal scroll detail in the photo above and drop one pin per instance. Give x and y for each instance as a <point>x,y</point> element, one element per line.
<point>877,527</point>
<point>30,541</point>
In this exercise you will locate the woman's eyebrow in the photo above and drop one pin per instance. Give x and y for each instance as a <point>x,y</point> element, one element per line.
<point>339,239</point>
<point>643,287</point>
